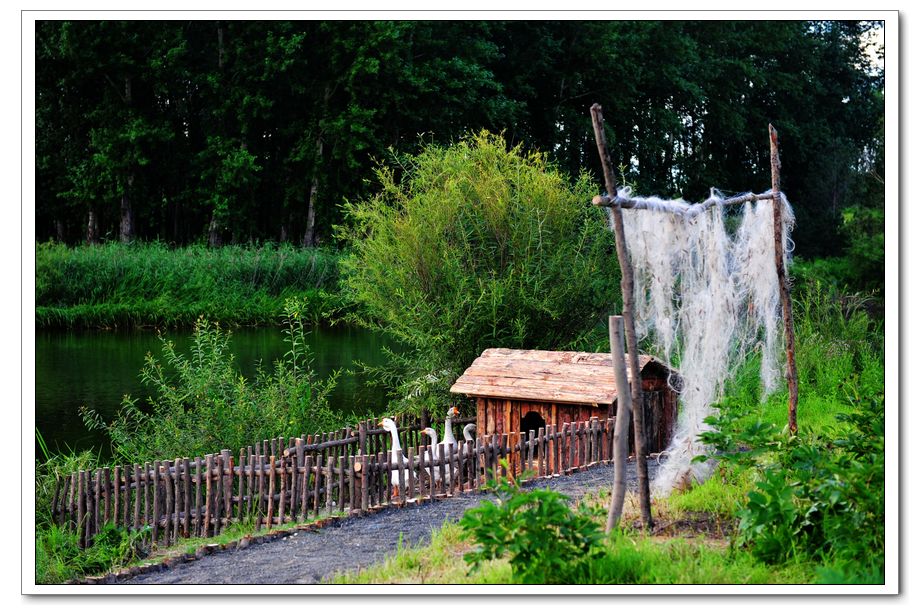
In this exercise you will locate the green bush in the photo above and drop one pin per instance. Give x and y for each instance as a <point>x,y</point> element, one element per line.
<point>820,497</point>
<point>201,404</point>
<point>547,541</point>
<point>476,246</point>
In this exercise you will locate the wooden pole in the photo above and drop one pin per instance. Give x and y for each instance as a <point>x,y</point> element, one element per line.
<point>621,427</point>
<point>792,374</point>
<point>632,346</point>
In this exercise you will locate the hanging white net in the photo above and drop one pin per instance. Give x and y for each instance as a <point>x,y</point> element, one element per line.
<point>705,298</point>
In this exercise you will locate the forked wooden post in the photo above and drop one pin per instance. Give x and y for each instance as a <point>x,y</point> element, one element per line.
<point>792,374</point>
<point>632,346</point>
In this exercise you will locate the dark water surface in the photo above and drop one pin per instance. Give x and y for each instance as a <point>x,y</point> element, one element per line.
<point>96,368</point>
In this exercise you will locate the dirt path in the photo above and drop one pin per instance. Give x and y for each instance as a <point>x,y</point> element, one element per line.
<point>352,543</point>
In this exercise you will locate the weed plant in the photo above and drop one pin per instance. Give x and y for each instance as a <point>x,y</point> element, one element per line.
<point>817,497</point>
<point>544,539</point>
<point>201,404</point>
<point>58,556</point>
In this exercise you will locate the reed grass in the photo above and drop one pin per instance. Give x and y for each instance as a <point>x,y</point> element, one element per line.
<point>150,284</point>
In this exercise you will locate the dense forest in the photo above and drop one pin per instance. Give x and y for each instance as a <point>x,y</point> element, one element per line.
<point>224,132</point>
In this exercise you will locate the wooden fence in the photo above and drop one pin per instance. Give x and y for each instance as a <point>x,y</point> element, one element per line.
<point>277,482</point>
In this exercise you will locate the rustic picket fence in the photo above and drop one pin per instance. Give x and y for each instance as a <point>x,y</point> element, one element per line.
<point>277,482</point>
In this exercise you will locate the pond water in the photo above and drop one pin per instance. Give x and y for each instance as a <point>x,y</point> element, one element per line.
<point>97,368</point>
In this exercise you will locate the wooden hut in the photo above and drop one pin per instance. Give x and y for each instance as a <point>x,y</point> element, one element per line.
<point>521,390</point>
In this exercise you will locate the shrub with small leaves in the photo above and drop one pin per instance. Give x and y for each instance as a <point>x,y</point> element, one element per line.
<point>201,403</point>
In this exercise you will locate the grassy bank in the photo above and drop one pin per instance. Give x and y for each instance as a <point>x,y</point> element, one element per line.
<point>626,558</point>
<point>115,285</point>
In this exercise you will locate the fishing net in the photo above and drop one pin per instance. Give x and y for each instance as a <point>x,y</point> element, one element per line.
<point>706,297</point>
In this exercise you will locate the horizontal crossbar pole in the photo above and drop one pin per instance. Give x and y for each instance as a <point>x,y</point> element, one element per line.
<point>626,203</point>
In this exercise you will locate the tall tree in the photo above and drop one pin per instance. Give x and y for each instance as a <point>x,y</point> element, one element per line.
<point>231,131</point>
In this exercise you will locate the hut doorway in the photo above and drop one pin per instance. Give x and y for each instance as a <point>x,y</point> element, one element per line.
<point>532,421</point>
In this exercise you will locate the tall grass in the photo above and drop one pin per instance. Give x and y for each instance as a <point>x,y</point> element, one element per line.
<point>112,284</point>
<point>58,556</point>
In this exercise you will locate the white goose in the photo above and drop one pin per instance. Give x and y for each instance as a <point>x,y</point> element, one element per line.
<point>469,445</point>
<point>395,454</point>
<point>449,438</point>
<point>433,447</point>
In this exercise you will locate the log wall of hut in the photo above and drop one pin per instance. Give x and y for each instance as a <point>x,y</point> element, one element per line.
<point>498,416</point>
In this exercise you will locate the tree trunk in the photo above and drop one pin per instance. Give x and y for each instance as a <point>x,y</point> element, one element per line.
<point>632,346</point>
<point>126,228</point>
<point>621,426</point>
<point>309,236</point>
<point>59,230</point>
<point>92,228</point>
<point>283,235</point>
<point>220,46</point>
<point>214,240</point>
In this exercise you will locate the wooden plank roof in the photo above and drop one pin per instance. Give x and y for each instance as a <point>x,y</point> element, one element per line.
<point>543,375</point>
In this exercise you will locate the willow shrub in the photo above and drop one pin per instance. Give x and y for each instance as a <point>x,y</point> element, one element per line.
<point>473,246</point>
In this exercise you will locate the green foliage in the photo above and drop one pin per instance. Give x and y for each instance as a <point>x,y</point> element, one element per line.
<point>200,404</point>
<point>58,556</point>
<point>52,468</point>
<point>547,541</point>
<point>819,497</point>
<point>838,344</point>
<point>839,348</point>
<point>816,496</point>
<point>475,246</point>
<point>248,123</point>
<point>623,557</point>
<point>862,266</point>
<point>114,285</point>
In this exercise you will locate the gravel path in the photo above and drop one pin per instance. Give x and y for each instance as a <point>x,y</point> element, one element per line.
<point>355,542</point>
